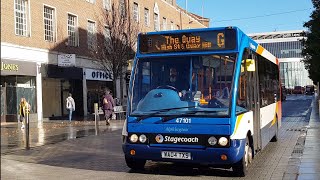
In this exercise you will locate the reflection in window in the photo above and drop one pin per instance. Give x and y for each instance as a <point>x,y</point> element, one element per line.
<point>202,80</point>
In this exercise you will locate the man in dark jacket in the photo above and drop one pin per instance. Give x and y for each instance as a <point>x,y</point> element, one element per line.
<point>107,106</point>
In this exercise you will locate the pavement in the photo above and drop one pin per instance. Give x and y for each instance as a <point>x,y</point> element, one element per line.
<point>309,167</point>
<point>51,132</point>
<point>57,147</point>
<point>304,162</point>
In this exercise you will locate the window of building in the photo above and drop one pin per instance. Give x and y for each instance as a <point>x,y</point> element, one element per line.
<point>164,23</point>
<point>91,1</point>
<point>136,12</point>
<point>107,4</point>
<point>171,26</point>
<point>122,8</point>
<point>156,22</point>
<point>146,17</point>
<point>49,23</point>
<point>20,13</point>
<point>72,30</point>
<point>107,35</point>
<point>170,2</point>
<point>91,35</point>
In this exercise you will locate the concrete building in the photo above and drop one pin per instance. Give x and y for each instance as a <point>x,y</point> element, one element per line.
<point>44,50</point>
<point>287,47</point>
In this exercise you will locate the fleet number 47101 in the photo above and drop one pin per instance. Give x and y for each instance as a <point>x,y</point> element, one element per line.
<point>183,120</point>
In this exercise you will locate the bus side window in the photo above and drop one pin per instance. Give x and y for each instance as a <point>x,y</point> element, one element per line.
<point>241,100</point>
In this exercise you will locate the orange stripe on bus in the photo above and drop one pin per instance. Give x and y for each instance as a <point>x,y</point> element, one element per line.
<point>260,49</point>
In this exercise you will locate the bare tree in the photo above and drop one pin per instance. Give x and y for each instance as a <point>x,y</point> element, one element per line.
<point>117,45</point>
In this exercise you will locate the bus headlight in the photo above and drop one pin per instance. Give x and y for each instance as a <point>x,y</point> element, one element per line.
<point>223,141</point>
<point>212,140</point>
<point>142,138</point>
<point>134,138</point>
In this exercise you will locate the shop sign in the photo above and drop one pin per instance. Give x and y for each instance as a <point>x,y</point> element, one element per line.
<point>12,67</point>
<point>9,67</point>
<point>66,60</point>
<point>98,75</point>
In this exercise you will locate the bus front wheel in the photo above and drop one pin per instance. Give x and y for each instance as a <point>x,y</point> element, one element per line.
<point>240,168</point>
<point>135,164</point>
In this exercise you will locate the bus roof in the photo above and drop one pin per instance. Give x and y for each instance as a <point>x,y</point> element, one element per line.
<point>241,40</point>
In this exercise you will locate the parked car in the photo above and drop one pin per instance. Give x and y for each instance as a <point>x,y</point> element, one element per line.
<point>309,89</point>
<point>283,93</point>
<point>298,90</point>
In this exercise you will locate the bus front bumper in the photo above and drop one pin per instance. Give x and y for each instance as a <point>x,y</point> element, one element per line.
<point>201,156</point>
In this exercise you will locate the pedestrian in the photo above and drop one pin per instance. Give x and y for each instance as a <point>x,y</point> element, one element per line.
<point>107,106</point>
<point>70,105</point>
<point>24,110</point>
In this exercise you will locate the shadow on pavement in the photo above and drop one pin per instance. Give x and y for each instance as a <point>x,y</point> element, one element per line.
<point>102,153</point>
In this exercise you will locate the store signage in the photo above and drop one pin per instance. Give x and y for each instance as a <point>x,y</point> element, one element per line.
<point>66,60</point>
<point>9,67</point>
<point>12,67</point>
<point>98,75</point>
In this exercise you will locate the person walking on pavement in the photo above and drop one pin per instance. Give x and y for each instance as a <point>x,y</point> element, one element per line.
<point>107,106</point>
<point>70,105</point>
<point>24,109</point>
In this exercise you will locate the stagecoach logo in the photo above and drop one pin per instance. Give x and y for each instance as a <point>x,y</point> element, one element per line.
<point>159,138</point>
<point>173,139</point>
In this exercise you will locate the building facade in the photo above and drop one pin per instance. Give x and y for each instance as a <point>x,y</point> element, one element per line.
<point>45,50</point>
<point>287,47</point>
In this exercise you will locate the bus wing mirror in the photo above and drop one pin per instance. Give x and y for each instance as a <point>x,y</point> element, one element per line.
<point>250,64</point>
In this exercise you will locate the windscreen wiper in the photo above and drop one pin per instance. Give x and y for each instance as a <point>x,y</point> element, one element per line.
<point>159,111</point>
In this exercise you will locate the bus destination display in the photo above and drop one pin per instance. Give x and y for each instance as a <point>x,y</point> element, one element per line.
<point>184,42</point>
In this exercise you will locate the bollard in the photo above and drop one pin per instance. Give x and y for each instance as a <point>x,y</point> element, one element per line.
<point>96,116</point>
<point>27,130</point>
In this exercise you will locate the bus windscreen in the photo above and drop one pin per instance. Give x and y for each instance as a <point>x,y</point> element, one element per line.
<point>224,39</point>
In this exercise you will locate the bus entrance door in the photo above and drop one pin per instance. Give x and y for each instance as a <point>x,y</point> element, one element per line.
<point>254,102</point>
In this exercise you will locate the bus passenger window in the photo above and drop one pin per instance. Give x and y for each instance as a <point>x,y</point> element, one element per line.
<point>242,96</point>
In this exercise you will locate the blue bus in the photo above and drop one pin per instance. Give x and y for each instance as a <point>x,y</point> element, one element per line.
<point>201,97</point>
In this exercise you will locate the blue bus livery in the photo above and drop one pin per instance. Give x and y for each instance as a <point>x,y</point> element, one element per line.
<point>202,97</point>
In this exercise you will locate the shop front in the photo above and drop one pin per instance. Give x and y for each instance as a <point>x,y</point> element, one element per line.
<point>96,82</point>
<point>18,79</point>
<point>57,83</point>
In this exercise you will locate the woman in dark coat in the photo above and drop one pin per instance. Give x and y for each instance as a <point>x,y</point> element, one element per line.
<point>107,106</point>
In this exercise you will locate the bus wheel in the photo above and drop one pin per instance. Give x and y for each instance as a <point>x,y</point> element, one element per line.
<point>240,168</point>
<point>135,164</point>
<point>276,136</point>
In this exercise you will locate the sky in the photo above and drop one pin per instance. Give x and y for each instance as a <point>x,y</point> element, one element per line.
<point>253,16</point>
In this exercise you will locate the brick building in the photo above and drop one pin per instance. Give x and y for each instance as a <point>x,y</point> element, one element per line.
<point>44,50</point>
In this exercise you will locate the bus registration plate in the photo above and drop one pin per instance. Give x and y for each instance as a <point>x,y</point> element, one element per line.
<point>175,155</point>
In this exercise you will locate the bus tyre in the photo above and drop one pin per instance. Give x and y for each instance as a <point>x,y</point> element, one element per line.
<point>240,168</point>
<point>276,136</point>
<point>135,164</point>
